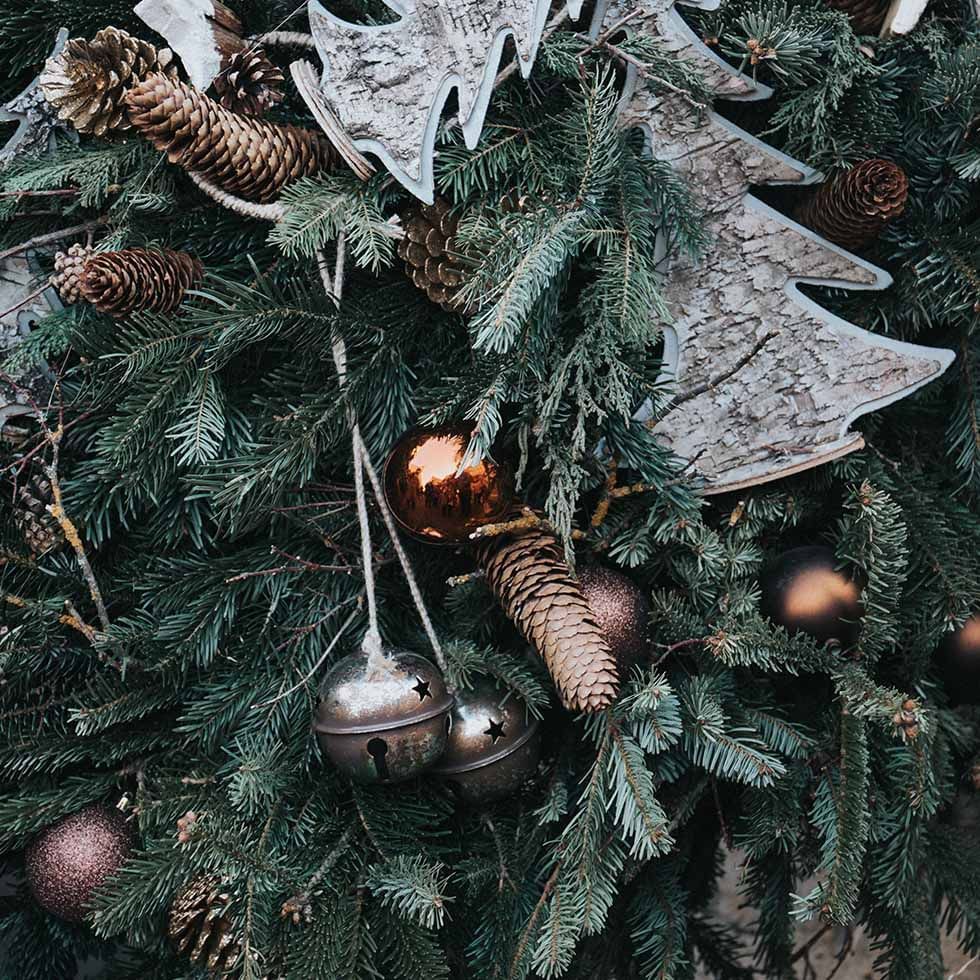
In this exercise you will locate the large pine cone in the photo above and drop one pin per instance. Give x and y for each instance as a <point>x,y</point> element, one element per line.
<point>200,930</point>
<point>68,269</point>
<point>529,577</point>
<point>429,252</point>
<point>138,279</point>
<point>41,531</point>
<point>87,82</point>
<point>248,157</point>
<point>250,83</point>
<point>866,16</point>
<point>852,208</point>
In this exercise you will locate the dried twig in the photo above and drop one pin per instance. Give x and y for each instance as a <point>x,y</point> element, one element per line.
<point>54,236</point>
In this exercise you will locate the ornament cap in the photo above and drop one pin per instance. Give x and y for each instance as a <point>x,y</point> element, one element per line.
<point>362,694</point>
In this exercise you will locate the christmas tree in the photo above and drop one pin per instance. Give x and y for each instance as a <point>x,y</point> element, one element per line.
<point>410,590</point>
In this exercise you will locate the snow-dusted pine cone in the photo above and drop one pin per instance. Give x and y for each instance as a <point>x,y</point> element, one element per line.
<point>139,279</point>
<point>527,573</point>
<point>249,83</point>
<point>41,531</point>
<point>199,928</point>
<point>852,208</point>
<point>428,250</point>
<point>87,82</point>
<point>68,269</point>
<point>247,157</point>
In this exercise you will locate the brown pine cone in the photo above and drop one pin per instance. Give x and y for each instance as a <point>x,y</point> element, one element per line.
<point>528,575</point>
<point>429,252</point>
<point>87,82</point>
<point>250,158</point>
<point>199,928</point>
<point>68,268</point>
<point>138,279</point>
<point>866,16</point>
<point>42,533</point>
<point>249,83</point>
<point>851,208</point>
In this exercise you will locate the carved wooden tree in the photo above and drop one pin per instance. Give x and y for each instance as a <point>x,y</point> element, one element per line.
<point>767,382</point>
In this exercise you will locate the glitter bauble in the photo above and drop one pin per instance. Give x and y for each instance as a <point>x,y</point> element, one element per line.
<point>383,717</point>
<point>493,746</point>
<point>621,610</point>
<point>70,860</point>
<point>958,659</point>
<point>803,591</point>
<point>432,498</point>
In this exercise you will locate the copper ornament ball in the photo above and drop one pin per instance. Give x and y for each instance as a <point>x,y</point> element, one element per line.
<point>621,610</point>
<point>803,591</point>
<point>958,659</point>
<point>70,860</point>
<point>493,746</point>
<point>383,718</point>
<point>435,501</point>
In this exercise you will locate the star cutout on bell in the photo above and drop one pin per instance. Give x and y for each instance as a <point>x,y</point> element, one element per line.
<point>495,731</point>
<point>422,689</point>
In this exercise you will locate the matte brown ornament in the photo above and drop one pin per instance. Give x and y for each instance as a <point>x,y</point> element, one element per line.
<point>251,158</point>
<point>432,498</point>
<point>958,660</point>
<point>621,610</point>
<point>199,927</point>
<point>803,591</point>
<point>70,860</point>
<point>383,717</point>
<point>851,208</point>
<point>493,746</point>
<point>88,80</point>
<point>138,280</point>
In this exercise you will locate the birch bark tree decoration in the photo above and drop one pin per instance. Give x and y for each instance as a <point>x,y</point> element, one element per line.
<point>387,85</point>
<point>767,382</point>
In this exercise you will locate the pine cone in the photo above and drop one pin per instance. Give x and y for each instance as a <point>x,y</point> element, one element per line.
<point>530,579</point>
<point>41,531</point>
<point>200,930</point>
<point>248,157</point>
<point>428,250</point>
<point>866,16</point>
<point>852,208</point>
<point>249,83</point>
<point>68,268</point>
<point>87,82</point>
<point>137,279</point>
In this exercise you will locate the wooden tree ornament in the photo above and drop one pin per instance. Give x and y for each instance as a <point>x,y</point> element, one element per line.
<point>767,382</point>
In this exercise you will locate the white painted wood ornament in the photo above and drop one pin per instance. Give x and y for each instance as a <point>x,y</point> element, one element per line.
<point>767,383</point>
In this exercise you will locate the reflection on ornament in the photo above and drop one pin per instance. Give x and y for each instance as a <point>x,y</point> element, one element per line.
<point>803,591</point>
<point>383,718</point>
<point>432,498</point>
<point>493,746</point>
<point>958,659</point>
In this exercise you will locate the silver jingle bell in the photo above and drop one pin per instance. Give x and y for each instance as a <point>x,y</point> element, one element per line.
<point>383,718</point>
<point>493,746</point>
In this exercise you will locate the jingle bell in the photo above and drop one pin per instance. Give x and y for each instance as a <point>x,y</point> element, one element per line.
<point>385,717</point>
<point>493,746</point>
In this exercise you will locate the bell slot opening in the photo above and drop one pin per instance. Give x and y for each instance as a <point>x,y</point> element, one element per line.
<point>378,749</point>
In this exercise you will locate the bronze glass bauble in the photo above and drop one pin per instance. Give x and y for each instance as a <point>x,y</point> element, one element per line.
<point>803,591</point>
<point>432,498</point>
<point>70,860</point>
<point>958,659</point>
<point>493,746</point>
<point>383,718</point>
<point>621,610</point>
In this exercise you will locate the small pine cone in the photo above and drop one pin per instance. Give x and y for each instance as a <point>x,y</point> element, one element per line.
<point>852,208</point>
<point>138,280</point>
<point>247,157</point>
<point>199,928</point>
<point>249,83</point>
<point>87,82</point>
<point>428,250</point>
<point>41,531</point>
<point>528,575</point>
<point>866,16</point>
<point>68,268</point>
